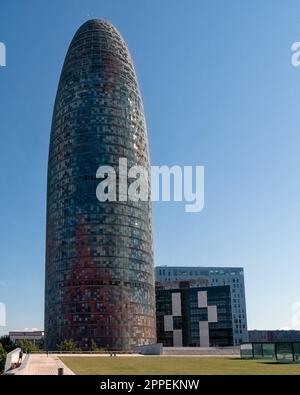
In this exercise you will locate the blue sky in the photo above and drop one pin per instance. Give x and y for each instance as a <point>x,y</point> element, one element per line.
<point>219,90</point>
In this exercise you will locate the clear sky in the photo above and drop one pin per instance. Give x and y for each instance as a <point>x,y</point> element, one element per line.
<point>219,90</point>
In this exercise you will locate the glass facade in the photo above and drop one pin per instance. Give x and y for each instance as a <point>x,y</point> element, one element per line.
<point>284,351</point>
<point>99,258</point>
<point>215,276</point>
<point>192,318</point>
<point>281,351</point>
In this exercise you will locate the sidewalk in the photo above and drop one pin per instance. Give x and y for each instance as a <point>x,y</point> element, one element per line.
<point>40,364</point>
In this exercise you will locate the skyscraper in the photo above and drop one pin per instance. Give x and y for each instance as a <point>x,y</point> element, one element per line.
<point>99,259</point>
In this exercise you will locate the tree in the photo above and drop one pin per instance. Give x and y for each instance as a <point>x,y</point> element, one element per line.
<point>94,346</point>
<point>7,343</point>
<point>2,357</point>
<point>27,346</point>
<point>68,345</point>
<point>40,344</point>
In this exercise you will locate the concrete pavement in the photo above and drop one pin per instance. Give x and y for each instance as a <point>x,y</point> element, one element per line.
<point>40,364</point>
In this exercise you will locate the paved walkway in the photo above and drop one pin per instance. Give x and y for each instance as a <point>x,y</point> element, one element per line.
<point>40,364</point>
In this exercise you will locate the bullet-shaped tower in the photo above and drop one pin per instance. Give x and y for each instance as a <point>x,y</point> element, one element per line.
<point>99,259</point>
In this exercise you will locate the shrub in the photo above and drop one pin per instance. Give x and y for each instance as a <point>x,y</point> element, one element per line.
<point>7,343</point>
<point>2,357</point>
<point>68,345</point>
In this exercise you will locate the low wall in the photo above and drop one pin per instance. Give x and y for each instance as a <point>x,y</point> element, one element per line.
<point>21,369</point>
<point>11,358</point>
<point>149,349</point>
<point>209,351</point>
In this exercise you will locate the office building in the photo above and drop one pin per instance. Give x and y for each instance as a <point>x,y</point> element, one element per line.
<point>35,337</point>
<point>99,258</point>
<point>215,276</point>
<point>274,335</point>
<point>194,317</point>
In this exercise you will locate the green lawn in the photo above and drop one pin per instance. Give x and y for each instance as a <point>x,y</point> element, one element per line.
<point>175,365</point>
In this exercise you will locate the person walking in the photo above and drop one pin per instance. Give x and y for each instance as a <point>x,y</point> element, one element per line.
<point>20,356</point>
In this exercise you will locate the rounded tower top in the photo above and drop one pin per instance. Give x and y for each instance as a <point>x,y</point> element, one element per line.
<point>101,25</point>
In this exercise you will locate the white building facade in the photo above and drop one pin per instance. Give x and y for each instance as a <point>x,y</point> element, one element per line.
<point>33,336</point>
